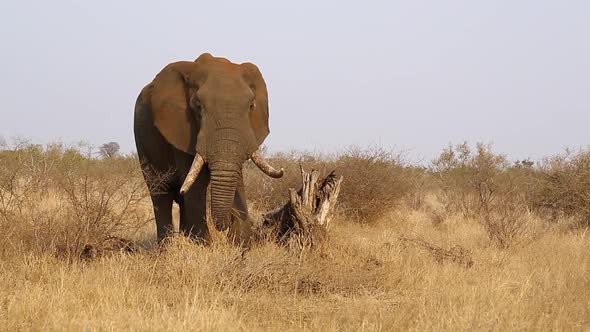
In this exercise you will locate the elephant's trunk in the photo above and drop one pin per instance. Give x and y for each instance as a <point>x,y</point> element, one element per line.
<point>224,179</point>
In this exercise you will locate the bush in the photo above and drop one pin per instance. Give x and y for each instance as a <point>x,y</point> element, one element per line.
<point>484,187</point>
<point>57,199</point>
<point>376,181</point>
<point>564,187</point>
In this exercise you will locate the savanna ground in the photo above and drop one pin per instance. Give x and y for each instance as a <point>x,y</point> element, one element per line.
<point>470,241</point>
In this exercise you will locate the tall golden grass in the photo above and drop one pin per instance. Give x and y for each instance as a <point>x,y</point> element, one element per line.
<point>395,257</point>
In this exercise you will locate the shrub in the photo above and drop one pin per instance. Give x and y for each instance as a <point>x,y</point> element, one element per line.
<point>375,180</point>
<point>482,186</point>
<point>57,199</point>
<point>564,186</point>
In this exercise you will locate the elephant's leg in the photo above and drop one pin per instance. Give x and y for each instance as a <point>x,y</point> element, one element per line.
<point>240,231</point>
<point>193,209</point>
<point>163,212</point>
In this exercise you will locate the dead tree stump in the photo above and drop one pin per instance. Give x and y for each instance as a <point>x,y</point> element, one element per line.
<point>305,219</point>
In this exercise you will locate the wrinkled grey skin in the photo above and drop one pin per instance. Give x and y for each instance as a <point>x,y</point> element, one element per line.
<point>212,107</point>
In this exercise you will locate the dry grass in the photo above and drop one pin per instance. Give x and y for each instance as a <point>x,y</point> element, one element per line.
<point>368,277</point>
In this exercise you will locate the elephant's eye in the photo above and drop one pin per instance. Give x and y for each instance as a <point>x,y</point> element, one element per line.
<point>252,105</point>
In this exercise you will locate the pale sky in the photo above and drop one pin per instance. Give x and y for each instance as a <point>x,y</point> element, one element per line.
<point>409,75</point>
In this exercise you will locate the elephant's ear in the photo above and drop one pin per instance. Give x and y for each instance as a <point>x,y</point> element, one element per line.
<point>259,115</point>
<point>171,100</point>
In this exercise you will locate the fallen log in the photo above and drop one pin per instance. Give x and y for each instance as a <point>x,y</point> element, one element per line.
<point>305,219</point>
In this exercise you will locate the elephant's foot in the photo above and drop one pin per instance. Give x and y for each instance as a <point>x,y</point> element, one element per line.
<point>201,238</point>
<point>199,233</point>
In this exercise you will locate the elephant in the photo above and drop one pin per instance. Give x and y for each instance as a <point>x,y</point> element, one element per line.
<point>195,126</point>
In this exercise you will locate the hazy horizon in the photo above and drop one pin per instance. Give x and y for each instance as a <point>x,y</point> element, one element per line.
<point>411,76</point>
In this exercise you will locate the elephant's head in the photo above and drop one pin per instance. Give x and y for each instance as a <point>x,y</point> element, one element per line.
<point>217,111</point>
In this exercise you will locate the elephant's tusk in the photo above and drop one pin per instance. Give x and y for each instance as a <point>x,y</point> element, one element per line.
<point>265,166</point>
<point>192,173</point>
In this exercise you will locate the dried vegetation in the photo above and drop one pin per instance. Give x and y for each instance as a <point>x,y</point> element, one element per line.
<point>470,242</point>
